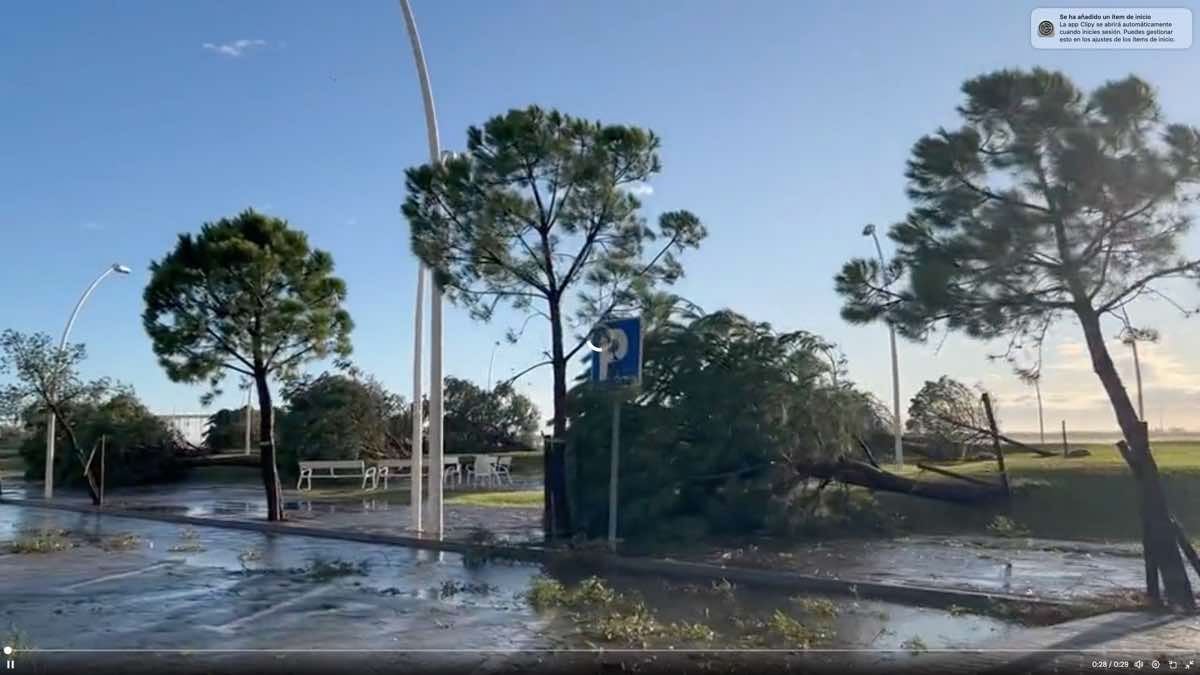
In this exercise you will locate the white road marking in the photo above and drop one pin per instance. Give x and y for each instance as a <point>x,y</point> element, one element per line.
<point>232,625</point>
<point>120,575</point>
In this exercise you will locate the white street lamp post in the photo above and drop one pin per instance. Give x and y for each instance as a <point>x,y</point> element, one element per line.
<point>436,468</point>
<point>62,345</point>
<point>416,469</point>
<point>249,416</point>
<point>492,362</point>
<point>869,231</point>
<point>1037,387</point>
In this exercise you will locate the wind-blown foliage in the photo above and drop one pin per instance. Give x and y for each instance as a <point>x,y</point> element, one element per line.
<point>46,378</point>
<point>478,420</point>
<point>139,447</point>
<point>247,296</point>
<point>949,415</point>
<point>226,430</point>
<point>1046,202</point>
<point>728,410</point>
<point>540,213</point>
<point>334,416</point>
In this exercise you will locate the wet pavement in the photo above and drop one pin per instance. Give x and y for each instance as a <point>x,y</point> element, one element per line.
<point>1035,568</point>
<point>130,584</point>
<point>380,512</point>
<point>135,584</point>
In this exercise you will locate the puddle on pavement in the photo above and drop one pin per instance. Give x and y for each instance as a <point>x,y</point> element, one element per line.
<point>183,587</point>
<point>1070,571</point>
<point>171,586</point>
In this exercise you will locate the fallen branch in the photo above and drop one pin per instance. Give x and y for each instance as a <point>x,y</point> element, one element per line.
<point>1188,550</point>
<point>959,476</point>
<point>867,450</point>
<point>222,460</point>
<point>987,408</point>
<point>1006,439</point>
<point>862,474</point>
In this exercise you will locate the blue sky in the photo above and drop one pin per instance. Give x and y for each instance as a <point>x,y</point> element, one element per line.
<point>785,127</point>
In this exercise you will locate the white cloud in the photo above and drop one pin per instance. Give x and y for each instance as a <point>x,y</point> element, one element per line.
<point>1071,356</point>
<point>234,49</point>
<point>92,226</point>
<point>640,189</point>
<point>1162,367</point>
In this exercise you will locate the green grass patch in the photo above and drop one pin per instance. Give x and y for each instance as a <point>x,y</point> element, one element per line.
<point>41,541</point>
<point>519,498</point>
<point>320,569</point>
<point>1081,498</point>
<point>603,614</point>
<point>121,542</point>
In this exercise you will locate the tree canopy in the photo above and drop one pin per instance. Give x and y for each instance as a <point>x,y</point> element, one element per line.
<point>542,212</point>
<point>729,415</point>
<point>337,416</point>
<point>1047,201</point>
<point>248,296</point>
<point>45,378</point>
<point>479,420</point>
<point>139,447</point>
<point>226,429</point>
<point>949,415</point>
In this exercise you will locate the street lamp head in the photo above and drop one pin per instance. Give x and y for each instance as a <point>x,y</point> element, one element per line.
<point>868,230</point>
<point>121,269</point>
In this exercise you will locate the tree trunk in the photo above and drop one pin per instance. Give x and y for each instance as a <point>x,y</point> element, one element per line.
<point>266,445</point>
<point>558,517</point>
<point>93,492</point>
<point>1159,546</point>
<point>862,474</point>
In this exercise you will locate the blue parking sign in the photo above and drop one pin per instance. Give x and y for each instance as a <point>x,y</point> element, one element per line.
<point>617,359</point>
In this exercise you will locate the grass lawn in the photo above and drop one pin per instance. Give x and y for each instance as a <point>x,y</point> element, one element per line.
<point>397,492</point>
<point>521,498</point>
<point>1087,498</point>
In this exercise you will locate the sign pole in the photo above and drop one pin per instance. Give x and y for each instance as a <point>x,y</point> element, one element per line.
<point>617,363</point>
<point>612,474</point>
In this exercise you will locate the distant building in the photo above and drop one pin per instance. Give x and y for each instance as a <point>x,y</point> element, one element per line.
<point>190,426</point>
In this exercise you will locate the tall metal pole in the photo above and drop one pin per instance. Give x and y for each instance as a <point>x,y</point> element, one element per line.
<point>435,312</point>
<point>416,468</point>
<point>249,416</point>
<point>48,488</point>
<point>1037,387</point>
<point>1137,372</point>
<point>896,426</point>
<point>613,473</point>
<point>1131,337</point>
<point>492,362</point>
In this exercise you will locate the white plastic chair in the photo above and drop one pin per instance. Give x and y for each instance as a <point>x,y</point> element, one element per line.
<point>451,471</point>
<point>504,469</point>
<point>484,470</point>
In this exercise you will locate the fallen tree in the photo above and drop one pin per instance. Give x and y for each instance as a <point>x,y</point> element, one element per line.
<point>1006,439</point>
<point>239,459</point>
<point>862,474</point>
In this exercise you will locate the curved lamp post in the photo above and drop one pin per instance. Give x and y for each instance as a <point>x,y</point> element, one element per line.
<point>50,419</point>
<point>435,324</point>
<point>869,231</point>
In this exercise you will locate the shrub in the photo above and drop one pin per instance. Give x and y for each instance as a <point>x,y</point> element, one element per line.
<point>139,447</point>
